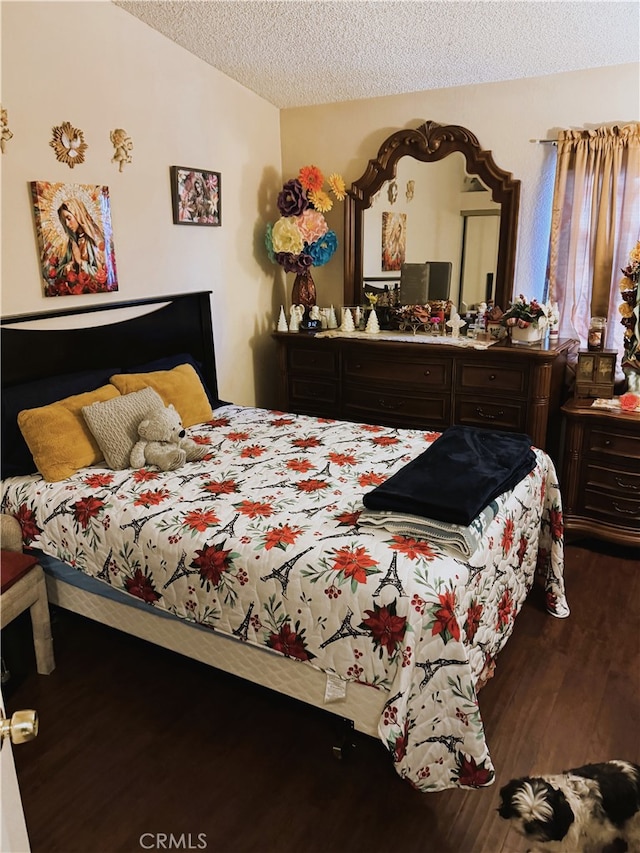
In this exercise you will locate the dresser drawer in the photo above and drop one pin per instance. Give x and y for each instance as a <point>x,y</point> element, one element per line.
<point>492,378</point>
<point>491,414</point>
<point>609,443</point>
<point>380,405</point>
<point>360,367</point>
<point>612,508</point>
<point>313,395</point>
<point>313,360</point>
<point>624,483</point>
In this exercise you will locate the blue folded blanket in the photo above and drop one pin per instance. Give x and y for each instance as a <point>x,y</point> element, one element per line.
<point>457,476</point>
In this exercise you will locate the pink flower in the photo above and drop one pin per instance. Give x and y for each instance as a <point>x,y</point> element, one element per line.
<point>312,225</point>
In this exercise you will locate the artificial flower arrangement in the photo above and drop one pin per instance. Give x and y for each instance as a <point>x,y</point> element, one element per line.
<point>301,238</point>
<point>630,311</point>
<point>523,313</point>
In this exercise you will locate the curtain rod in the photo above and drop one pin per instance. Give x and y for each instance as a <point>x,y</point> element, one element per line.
<point>544,141</point>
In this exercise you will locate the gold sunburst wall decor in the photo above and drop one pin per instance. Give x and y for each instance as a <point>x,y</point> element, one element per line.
<point>68,143</point>
<point>5,133</point>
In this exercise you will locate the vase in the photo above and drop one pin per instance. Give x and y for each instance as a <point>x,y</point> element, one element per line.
<point>304,290</point>
<point>529,335</point>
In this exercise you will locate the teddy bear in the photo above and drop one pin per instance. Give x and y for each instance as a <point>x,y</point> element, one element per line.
<point>163,442</point>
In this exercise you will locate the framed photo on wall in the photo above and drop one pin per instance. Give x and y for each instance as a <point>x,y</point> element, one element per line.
<point>195,196</point>
<point>75,238</point>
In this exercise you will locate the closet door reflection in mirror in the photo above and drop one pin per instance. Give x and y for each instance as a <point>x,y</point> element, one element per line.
<point>481,234</point>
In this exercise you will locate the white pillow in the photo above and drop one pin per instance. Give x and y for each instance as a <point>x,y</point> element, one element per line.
<point>114,423</point>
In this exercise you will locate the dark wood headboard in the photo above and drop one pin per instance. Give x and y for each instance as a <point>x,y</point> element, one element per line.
<point>182,325</point>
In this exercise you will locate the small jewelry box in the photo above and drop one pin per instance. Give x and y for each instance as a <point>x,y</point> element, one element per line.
<point>595,374</point>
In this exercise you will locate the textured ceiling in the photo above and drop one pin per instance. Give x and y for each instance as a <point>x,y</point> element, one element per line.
<point>300,53</point>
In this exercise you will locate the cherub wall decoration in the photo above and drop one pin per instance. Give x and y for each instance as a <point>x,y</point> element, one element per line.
<point>5,133</point>
<point>122,145</point>
<point>68,143</point>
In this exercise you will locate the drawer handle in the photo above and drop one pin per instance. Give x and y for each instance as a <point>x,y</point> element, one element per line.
<point>618,508</point>
<point>607,442</point>
<point>384,405</point>
<point>492,376</point>
<point>633,487</point>
<point>487,416</point>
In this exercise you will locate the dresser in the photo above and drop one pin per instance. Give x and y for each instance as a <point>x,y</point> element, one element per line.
<point>601,473</point>
<point>426,385</point>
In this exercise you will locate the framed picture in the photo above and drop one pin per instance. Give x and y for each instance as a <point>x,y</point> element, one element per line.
<point>196,196</point>
<point>394,240</point>
<point>75,238</point>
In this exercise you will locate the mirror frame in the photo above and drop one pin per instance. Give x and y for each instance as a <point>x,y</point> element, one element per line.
<point>429,143</point>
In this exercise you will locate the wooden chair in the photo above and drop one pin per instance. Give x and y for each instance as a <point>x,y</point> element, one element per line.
<point>22,586</point>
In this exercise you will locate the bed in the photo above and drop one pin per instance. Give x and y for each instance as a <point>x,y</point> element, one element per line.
<point>260,559</point>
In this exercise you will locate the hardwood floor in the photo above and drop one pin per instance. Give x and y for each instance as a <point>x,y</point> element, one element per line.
<point>135,739</point>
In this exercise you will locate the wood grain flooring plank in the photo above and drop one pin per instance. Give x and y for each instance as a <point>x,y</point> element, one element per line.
<point>137,739</point>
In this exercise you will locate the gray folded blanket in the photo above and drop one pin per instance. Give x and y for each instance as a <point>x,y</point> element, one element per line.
<point>460,540</point>
<point>457,476</point>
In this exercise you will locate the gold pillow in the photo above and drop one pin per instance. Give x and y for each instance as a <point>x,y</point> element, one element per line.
<point>180,386</point>
<point>58,437</point>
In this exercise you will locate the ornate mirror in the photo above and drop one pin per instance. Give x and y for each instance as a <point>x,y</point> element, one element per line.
<point>441,197</point>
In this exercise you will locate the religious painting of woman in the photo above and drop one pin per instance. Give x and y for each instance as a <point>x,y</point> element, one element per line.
<point>394,240</point>
<point>73,225</point>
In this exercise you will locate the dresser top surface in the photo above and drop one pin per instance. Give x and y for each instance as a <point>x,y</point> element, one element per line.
<point>581,407</point>
<point>430,344</point>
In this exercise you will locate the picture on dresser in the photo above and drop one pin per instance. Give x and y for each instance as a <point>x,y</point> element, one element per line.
<point>75,238</point>
<point>394,240</point>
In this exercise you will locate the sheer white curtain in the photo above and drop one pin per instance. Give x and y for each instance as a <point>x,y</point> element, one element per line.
<point>595,223</point>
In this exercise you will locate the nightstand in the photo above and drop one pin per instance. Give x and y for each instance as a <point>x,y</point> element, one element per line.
<point>601,473</point>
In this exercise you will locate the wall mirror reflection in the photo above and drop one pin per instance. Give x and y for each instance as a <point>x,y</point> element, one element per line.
<point>437,240</point>
<point>433,217</point>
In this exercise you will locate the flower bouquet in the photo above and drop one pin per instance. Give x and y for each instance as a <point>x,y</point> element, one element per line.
<point>630,312</point>
<point>524,314</point>
<point>526,320</point>
<point>301,238</point>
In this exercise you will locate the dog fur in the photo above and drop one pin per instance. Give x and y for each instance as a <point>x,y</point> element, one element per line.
<point>579,811</point>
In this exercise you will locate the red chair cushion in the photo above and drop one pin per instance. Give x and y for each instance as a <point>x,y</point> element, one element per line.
<point>13,566</point>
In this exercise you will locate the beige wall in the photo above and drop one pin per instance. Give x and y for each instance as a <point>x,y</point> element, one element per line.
<point>96,66</point>
<point>504,117</point>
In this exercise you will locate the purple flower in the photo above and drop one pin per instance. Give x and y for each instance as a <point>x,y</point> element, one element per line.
<point>294,263</point>
<point>292,201</point>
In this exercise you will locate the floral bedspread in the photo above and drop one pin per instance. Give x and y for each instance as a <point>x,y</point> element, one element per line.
<point>261,540</point>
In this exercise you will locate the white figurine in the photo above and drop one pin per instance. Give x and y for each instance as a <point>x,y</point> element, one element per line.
<point>282,321</point>
<point>314,314</point>
<point>357,316</point>
<point>296,313</point>
<point>373,327</point>
<point>347,321</point>
<point>332,322</point>
<point>455,323</point>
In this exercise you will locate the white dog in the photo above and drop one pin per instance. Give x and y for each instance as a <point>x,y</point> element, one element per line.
<point>578,811</point>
